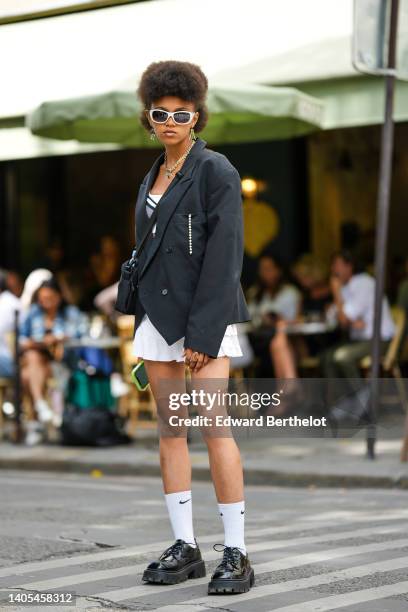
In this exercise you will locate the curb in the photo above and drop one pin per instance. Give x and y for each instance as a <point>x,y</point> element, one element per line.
<point>253,476</point>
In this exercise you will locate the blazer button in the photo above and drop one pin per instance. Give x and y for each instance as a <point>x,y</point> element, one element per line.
<point>169,250</point>
<point>164,291</point>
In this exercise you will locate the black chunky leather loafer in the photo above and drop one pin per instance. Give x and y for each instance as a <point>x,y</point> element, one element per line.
<point>233,575</point>
<point>176,564</point>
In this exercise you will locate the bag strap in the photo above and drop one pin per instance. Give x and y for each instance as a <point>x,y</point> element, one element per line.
<point>137,250</point>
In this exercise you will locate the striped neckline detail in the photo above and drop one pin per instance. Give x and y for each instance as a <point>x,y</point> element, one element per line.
<point>150,202</point>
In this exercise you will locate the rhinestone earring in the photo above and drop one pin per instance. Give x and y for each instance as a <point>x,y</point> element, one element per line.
<point>152,134</point>
<point>192,134</point>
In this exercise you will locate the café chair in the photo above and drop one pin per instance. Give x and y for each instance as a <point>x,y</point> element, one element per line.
<point>6,384</point>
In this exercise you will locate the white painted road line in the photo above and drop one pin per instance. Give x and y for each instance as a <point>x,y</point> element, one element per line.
<point>267,590</point>
<point>270,566</point>
<point>95,557</point>
<point>208,555</point>
<point>333,602</point>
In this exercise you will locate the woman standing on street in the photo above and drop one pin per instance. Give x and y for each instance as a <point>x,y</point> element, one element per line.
<point>189,299</point>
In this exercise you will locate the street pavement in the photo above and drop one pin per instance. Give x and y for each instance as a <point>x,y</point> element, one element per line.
<point>279,461</point>
<point>312,548</point>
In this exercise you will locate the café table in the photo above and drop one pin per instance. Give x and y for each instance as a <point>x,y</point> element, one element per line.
<point>308,328</point>
<point>301,328</point>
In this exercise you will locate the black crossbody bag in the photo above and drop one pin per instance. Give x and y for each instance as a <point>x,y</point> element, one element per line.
<point>128,282</point>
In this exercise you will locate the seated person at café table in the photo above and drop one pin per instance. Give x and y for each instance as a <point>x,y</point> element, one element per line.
<point>312,277</point>
<point>9,303</point>
<point>48,322</point>
<point>271,302</point>
<point>353,304</point>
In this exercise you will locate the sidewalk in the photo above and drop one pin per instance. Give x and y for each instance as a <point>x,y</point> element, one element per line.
<point>284,462</point>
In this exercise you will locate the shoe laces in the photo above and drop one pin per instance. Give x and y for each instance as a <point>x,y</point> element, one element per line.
<point>173,550</point>
<point>230,557</point>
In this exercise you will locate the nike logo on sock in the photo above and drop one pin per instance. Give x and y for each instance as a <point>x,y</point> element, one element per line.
<point>184,502</point>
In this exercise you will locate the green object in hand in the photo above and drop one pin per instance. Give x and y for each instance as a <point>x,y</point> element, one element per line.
<point>139,376</point>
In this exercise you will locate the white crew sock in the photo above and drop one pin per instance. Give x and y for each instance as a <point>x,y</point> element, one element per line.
<point>233,518</point>
<point>179,506</point>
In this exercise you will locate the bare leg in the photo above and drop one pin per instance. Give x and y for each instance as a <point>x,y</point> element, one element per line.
<point>226,470</point>
<point>224,455</point>
<point>282,356</point>
<point>174,456</point>
<point>35,372</point>
<point>225,465</point>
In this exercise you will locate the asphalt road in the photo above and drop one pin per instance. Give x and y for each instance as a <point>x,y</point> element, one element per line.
<point>312,549</point>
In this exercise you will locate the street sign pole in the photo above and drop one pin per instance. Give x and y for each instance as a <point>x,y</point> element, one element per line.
<point>383,206</point>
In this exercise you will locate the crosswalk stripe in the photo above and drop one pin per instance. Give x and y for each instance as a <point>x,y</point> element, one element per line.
<point>209,555</point>
<point>94,557</point>
<point>345,515</point>
<point>293,585</point>
<point>326,604</point>
<point>270,566</point>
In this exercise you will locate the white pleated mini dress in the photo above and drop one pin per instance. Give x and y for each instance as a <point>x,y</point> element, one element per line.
<point>149,344</point>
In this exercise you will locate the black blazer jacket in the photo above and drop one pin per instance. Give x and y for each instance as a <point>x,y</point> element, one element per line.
<point>193,294</point>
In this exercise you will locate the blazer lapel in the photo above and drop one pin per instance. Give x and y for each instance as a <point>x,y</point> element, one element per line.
<point>169,200</point>
<point>140,212</point>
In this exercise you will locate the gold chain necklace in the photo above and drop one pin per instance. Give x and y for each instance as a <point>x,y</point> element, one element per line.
<point>169,171</point>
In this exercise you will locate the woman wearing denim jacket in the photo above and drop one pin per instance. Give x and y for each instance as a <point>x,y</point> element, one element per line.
<point>48,322</point>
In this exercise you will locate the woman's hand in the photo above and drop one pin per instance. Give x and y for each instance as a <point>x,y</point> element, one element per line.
<point>194,359</point>
<point>49,340</point>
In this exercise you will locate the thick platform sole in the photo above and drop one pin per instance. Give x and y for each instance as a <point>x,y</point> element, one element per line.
<point>230,587</point>
<point>193,570</point>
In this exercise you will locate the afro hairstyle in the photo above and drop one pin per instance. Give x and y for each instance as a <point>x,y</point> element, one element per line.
<point>174,78</point>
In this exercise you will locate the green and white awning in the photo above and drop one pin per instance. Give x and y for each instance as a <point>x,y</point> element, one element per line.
<point>246,113</point>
